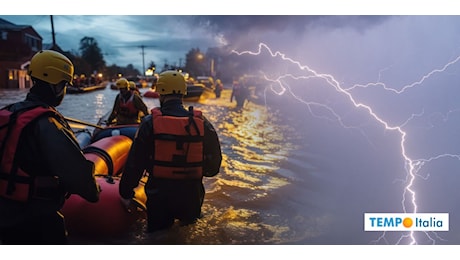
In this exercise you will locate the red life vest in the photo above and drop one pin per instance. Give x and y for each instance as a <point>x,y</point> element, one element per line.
<point>15,184</point>
<point>127,108</point>
<point>178,145</point>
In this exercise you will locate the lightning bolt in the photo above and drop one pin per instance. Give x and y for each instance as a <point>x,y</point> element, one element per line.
<point>411,166</point>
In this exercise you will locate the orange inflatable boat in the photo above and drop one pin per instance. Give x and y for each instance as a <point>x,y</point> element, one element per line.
<point>108,217</point>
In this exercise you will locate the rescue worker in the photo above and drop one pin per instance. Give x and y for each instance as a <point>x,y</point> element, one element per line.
<point>240,92</point>
<point>128,108</point>
<point>40,160</point>
<point>219,88</point>
<point>134,88</point>
<point>176,147</point>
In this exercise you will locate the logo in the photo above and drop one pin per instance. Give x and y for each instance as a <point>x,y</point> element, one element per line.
<point>406,222</point>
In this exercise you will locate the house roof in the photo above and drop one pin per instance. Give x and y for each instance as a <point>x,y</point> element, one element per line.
<point>6,25</point>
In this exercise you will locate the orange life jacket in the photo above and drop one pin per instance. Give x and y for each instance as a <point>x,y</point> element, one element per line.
<point>15,184</point>
<point>178,145</point>
<point>127,108</point>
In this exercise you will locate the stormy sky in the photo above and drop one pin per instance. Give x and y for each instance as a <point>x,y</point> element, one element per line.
<point>385,98</point>
<point>167,38</point>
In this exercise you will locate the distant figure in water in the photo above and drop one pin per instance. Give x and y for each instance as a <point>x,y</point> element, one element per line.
<point>177,148</point>
<point>41,163</point>
<point>128,106</point>
<point>240,92</point>
<point>219,88</point>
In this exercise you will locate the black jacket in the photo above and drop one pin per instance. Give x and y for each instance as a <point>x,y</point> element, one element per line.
<point>47,147</point>
<point>142,149</point>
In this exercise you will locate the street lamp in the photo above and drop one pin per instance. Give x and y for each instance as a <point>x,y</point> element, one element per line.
<point>213,71</point>
<point>211,68</point>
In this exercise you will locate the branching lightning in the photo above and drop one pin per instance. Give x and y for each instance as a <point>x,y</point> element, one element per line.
<point>412,166</point>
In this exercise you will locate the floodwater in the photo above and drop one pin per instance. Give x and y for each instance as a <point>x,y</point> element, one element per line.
<point>287,177</point>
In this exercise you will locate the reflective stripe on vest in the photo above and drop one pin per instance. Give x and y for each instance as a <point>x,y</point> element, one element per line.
<point>178,146</point>
<point>15,184</point>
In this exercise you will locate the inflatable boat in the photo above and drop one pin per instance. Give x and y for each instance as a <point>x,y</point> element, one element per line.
<point>151,94</point>
<point>108,149</point>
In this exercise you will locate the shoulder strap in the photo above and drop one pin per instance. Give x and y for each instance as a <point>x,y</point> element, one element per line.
<point>16,121</point>
<point>191,120</point>
<point>15,127</point>
<point>156,111</point>
<point>12,118</point>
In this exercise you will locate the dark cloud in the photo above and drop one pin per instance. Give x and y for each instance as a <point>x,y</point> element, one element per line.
<point>240,26</point>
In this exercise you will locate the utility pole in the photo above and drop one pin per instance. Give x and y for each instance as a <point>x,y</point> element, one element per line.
<point>52,32</point>
<point>143,61</point>
<point>213,72</point>
<point>142,52</point>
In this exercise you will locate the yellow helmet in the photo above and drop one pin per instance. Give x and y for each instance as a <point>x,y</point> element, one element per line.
<point>122,83</point>
<point>171,82</point>
<point>51,66</point>
<point>132,85</point>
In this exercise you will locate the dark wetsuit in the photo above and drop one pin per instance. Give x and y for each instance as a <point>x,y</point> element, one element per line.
<point>168,199</point>
<point>47,147</point>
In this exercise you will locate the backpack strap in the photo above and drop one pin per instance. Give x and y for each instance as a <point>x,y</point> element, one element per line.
<point>191,120</point>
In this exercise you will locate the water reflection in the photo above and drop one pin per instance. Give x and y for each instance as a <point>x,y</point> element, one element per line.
<point>8,96</point>
<point>249,201</point>
<point>100,106</point>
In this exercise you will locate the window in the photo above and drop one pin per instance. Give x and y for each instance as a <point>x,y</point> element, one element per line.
<point>32,41</point>
<point>12,74</point>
